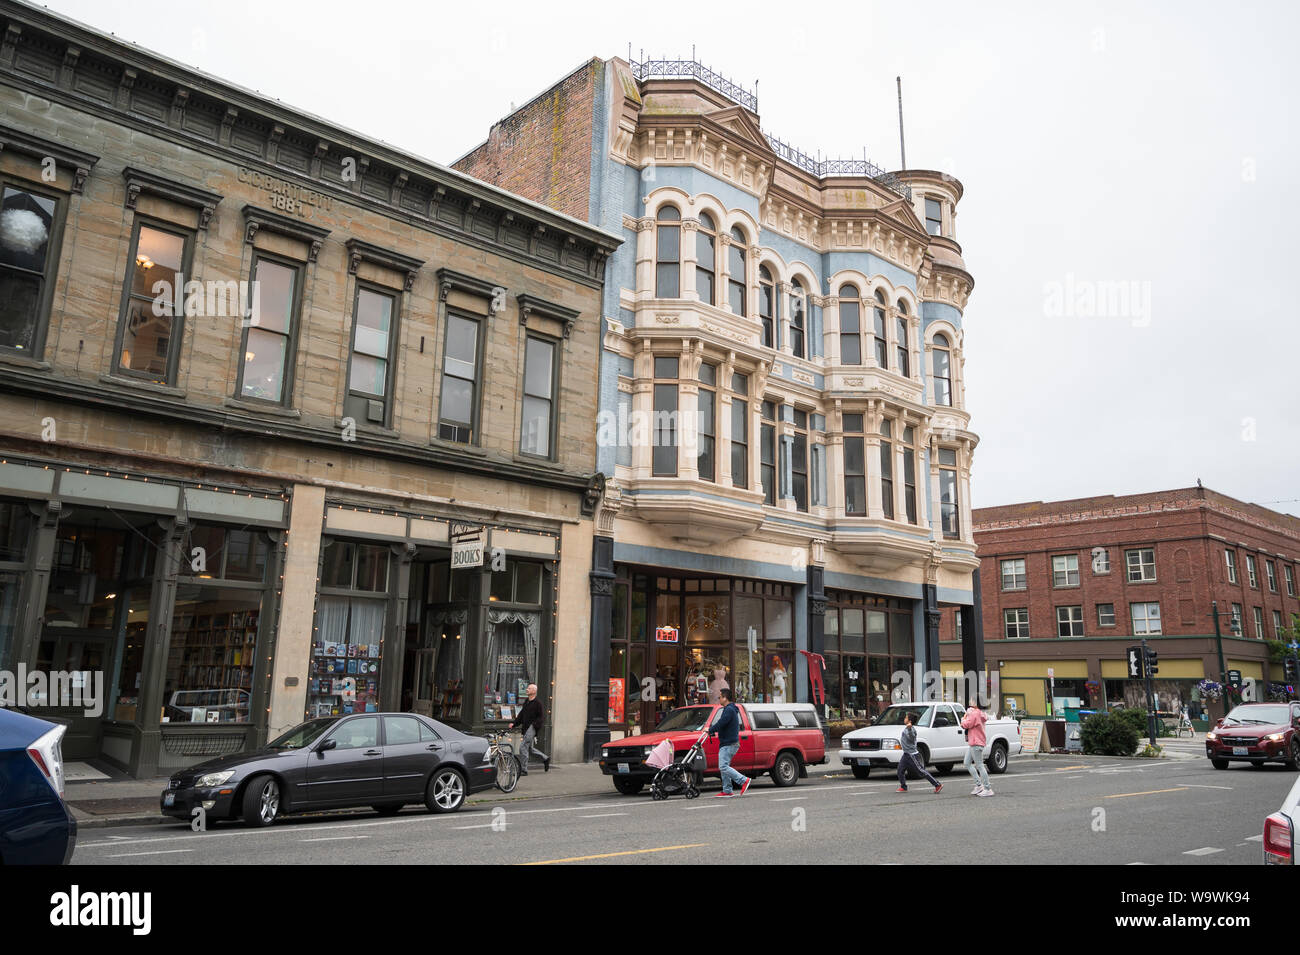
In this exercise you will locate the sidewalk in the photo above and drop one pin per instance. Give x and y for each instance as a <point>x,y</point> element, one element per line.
<point>124,802</point>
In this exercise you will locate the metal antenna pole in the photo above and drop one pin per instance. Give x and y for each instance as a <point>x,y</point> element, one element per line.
<point>902,145</point>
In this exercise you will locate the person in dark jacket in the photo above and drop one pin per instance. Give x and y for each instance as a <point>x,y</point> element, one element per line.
<point>911,757</point>
<point>530,718</point>
<point>727,729</point>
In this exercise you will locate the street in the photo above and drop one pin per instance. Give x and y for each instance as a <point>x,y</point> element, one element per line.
<point>1054,811</point>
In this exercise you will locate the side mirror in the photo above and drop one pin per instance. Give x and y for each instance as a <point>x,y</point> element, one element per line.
<point>328,744</point>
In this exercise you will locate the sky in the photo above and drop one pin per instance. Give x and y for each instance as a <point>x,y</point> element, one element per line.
<point>1125,166</point>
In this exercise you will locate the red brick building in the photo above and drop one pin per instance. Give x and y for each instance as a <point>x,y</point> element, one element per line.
<point>1067,586</point>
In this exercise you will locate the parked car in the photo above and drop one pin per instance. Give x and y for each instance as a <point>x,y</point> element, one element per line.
<point>939,739</point>
<point>777,738</point>
<point>36,825</point>
<point>1256,733</point>
<point>1280,830</point>
<point>381,760</point>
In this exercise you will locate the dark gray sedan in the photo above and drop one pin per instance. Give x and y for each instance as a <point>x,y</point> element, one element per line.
<point>381,760</point>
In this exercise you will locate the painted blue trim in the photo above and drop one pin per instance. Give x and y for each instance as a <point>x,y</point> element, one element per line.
<point>934,311</point>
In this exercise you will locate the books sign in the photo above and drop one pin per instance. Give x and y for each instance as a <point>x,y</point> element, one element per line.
<point>666,635</point>
<point>467,551</point>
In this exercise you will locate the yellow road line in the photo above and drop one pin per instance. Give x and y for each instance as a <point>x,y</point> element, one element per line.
<point>1149,792</point>
<point>1067,768</point>
<point>610,855</point>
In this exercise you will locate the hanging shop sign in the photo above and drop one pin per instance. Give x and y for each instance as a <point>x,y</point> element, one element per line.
<point>467,546</point>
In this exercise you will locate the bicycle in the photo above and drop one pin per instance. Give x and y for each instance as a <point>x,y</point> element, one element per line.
<point>502,752</point>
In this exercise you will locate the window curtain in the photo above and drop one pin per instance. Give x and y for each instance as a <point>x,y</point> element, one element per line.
<point>333,620</point>
<point>368,621</point>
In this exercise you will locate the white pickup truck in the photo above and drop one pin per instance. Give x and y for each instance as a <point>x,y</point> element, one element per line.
<point>939,739</point>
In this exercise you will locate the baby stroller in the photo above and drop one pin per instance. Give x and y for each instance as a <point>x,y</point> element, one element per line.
<point>677,777</point>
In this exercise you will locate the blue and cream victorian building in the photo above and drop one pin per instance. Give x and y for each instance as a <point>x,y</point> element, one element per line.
<point>782,421</point>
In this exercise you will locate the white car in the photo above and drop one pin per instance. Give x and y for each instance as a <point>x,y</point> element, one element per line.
<point>940,740</point>
<point>1280,830</point>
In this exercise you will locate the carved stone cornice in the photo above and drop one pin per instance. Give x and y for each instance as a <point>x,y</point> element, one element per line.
<point>359,251</point>
<point>256,220</point>
<point>531,304</point>
<point>76,161</point>
<point>142,182</point>
<point>449,279</point>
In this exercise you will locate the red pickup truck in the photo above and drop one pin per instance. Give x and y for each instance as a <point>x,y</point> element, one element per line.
<point>777,738</point>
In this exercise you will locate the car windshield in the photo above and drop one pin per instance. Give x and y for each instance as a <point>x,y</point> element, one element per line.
<point>1257,714</point>
<point>688,719</point>
<point>304,734</point>
<point>894,715</point>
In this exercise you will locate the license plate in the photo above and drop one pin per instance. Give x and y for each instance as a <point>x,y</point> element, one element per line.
<point>169,799</point>
<point>623,768</point>
<point>1240,751</point>
<point>864,762</point>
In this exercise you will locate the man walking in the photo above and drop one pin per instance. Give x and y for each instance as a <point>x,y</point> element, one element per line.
<point>727,729</point>
<point>530,718</point>
<point>911,757</point>
<point>973,723</point>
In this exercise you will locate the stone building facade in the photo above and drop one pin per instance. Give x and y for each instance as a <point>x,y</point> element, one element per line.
<point>1069,585</point>
<point>781,396</point>
<point>258,373</point>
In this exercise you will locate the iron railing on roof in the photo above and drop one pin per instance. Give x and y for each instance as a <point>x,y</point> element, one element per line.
<point>694,69</point>
<point>821,168</point>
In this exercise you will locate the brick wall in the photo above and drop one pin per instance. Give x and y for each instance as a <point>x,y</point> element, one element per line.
<point>1189,530</point>
<point>542,151</point>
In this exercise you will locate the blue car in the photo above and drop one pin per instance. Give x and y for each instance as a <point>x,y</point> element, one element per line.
<point>36,825</point>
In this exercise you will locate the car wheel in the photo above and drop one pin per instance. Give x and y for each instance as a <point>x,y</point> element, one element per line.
<point>629,787</point>
<point>861,772</point>
<point>388,809</point>
<point>998,759</point>
<point>943,769</point>
<point>262,801</point>
<point>785,772</point>
<point>1219,763</point>
<point>446,791</point>
<point>1294,762</point>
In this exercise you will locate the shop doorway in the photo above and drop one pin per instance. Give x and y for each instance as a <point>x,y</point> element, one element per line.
<point>85,653</point>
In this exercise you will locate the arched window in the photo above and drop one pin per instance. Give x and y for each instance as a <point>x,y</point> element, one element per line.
<point>850,326</point>
<point>904,353</point>
<point>942,371</point>
<point>878,329</point>
<point>706,258</point>
<point>767,303</point>
<point>798,309</point>
<point>668,249</point>
<point>737,281</point>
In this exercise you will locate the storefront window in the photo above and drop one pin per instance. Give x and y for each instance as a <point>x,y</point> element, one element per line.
<point>210,658</point>
<point>347,647</point>
<point>9,584</point>
<point>15,530</point>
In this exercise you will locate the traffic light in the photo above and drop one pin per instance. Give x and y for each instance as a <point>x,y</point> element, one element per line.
<point>1153,663</point>
<point>1289,668</point>
<point>1135,663</point>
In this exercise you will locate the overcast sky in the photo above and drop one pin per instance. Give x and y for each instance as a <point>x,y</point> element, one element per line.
<point>1143,149</point>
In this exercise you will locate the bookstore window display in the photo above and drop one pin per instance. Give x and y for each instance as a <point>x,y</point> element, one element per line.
<point>211,655</point>
<point>214,627</point>
<point>347,647</point>
<point>511,639</point>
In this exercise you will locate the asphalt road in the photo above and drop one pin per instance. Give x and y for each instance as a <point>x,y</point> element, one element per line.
<point>1047,811</point>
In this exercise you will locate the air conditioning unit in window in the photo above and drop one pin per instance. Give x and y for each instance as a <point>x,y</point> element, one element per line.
<point>375,411</point>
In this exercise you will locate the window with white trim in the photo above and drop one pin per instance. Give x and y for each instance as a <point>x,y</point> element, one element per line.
<point>1146,619</point>
<point>1069,621</point>
<point>1141,565</point>
<point>1015,623</point>
<point>1013,574</point>
<point>1065,570</point>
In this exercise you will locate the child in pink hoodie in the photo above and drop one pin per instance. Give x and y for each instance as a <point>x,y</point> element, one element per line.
<point>973,723</point>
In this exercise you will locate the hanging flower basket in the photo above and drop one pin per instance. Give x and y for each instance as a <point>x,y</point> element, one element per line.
<point>1210,690</point>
